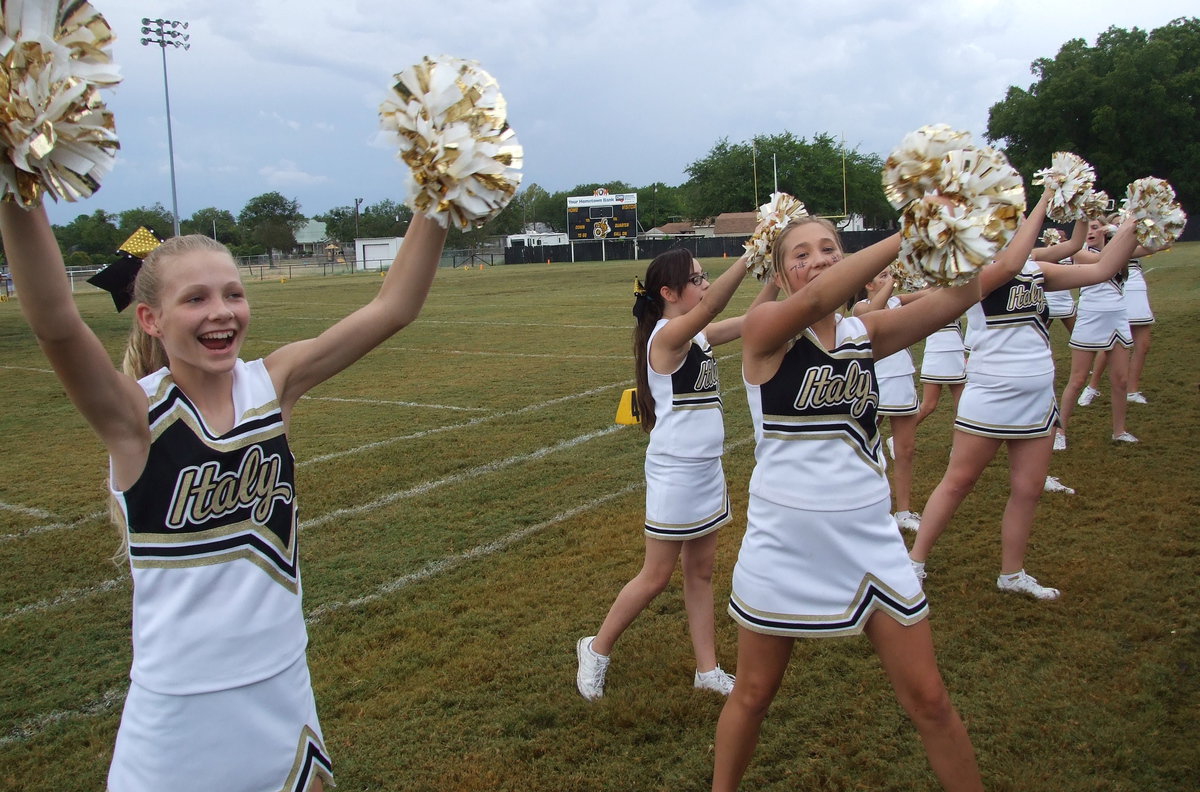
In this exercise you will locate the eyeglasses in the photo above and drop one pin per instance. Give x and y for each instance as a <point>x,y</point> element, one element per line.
<point>697,278</point>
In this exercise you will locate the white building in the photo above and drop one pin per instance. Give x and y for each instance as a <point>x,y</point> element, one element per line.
<point>535,239</point>
<point>375,253</point>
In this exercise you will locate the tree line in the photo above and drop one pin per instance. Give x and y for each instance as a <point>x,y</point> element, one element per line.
<point>722,181</point>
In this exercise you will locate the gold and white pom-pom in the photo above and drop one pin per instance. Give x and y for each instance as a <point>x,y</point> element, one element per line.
<point>1052,237</point>
<point>950,244</point>
<point>451,125</point>
<point>1096,204</point>
<point>1069,179</point>
<point>1158,217</point>
<point>773,217</point>
<point>56,135</point>
<point>914,168</point>
<point>910,280</point>
<point>980,176</point>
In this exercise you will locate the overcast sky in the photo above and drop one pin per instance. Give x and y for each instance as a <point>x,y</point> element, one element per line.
<point>284,94</point>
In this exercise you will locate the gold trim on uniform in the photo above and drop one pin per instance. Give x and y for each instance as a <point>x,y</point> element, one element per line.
<point>838,432</point>
<point>318,769</point>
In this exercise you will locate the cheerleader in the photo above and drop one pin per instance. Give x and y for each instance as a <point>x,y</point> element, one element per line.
<point>1102,325</point>
<point>897,397</point>
<point>821,555</point>
<point>1141,317</point>
<point>1009,396</point>
<point>679,399</point>
<point>943,364</point>
<point>1061,303</point>
<point>202,479</point>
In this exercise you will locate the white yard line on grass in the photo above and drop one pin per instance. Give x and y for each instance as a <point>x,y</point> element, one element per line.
<point>474,421</point>
<point>55,526</point>
<point>524,324</point>
<point>68,597</point>
<point>477,353</point>
<point>463,425</point>
<point>332,319</point>
<point>395,403</point>
<point>34,726</point>
<point>447,563</point>
<point>28,368</point>
<point>28,511</point>
<point>450,562</point>
<point>555,356</point>
<point>463,475</point>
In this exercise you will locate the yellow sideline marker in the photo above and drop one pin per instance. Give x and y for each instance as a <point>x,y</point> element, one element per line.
<point>627,411</point>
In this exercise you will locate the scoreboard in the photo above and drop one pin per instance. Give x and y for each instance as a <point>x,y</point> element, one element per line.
<point>602,216</point>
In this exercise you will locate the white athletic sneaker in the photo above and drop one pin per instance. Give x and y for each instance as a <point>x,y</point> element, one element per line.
<point>1060,441</point>
<point>716,680</point>
<point>1054,485</point>
<point>1124,437</point>
<point>1021,583</point>
<point>592,668</point>
<point>1087,396</point>
<point>907,520</point>
<point>918,569</point>
<point>891,448</point>
<point>1135,398</point>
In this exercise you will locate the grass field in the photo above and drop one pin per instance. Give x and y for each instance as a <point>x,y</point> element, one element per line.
<point>469,509</point>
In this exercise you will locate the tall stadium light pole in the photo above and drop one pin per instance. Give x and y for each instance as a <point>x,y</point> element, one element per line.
<point>166,33</point>
<point>357,203</point>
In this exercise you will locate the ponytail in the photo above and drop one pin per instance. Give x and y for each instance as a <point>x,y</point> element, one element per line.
<point>144,354</point>
<point>670,269</point>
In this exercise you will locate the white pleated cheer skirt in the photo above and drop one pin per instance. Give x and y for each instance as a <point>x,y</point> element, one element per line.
<point>1008,407</point>
<point>262,737</point>
<point>1137,307</point>
<point>898,396</point>
<point>685,498</point>
<point>1096,331</point>
<point>1061,304</point>
<point>822,573</point>
<point>944,368</point>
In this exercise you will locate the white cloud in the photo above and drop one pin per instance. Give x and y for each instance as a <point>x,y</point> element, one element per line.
<point>285,173</point>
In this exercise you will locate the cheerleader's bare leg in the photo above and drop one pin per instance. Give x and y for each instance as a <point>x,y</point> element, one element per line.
<point>1141,348</point>
<point>697,561</point>
<point>1118,377</point>
<point>906,653</point>
<point>931,392</point>
<point>970,455</point>
<point>762,661</point>
<point>1081,364</point>
<point>639,592</point>
<point>904,438</point>
<point>1028,464</point>
<point>956,392</point>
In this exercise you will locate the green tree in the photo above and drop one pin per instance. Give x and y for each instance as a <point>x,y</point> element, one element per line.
<point>271,220</point>
<point>739,177</point>
<point>339,223</point>
<point>722,181</point>
<point>384,219</point>
<point>155,217</point>
<point>96,235</point>
<point>659,203</point>
<point>1128,105</point>
<point>212,222</point>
